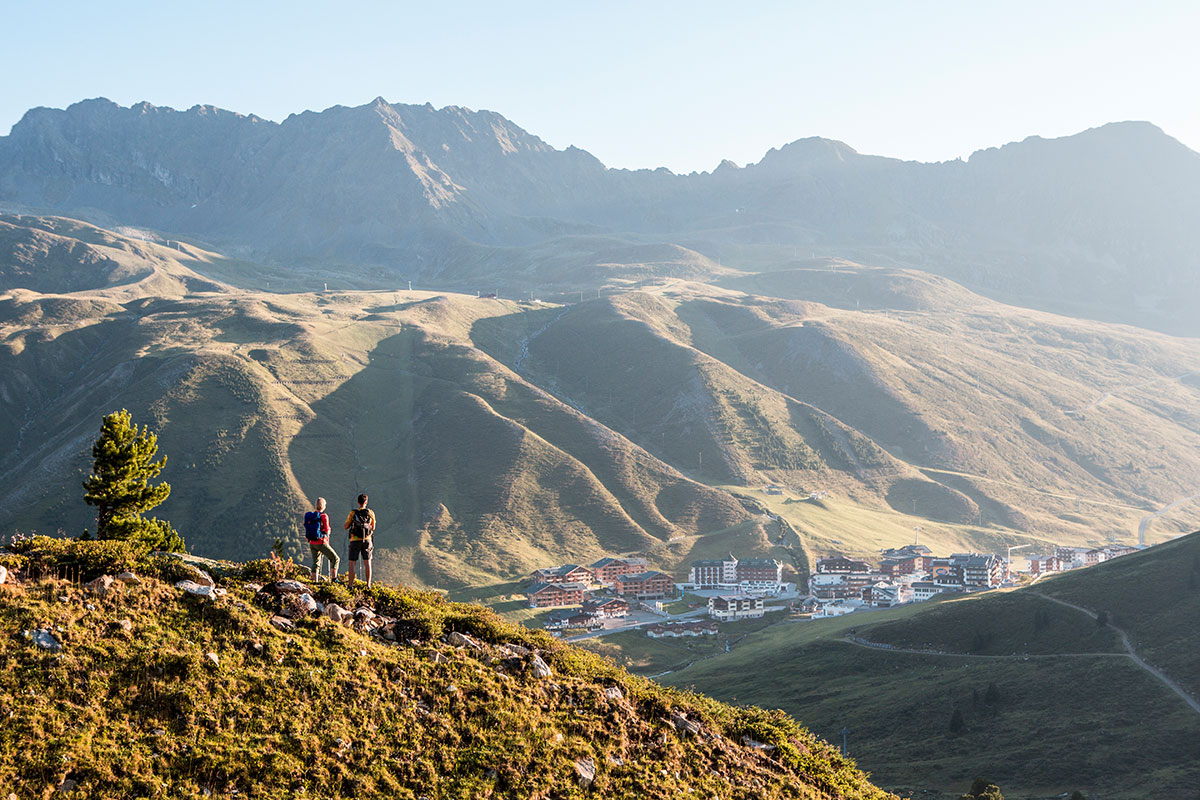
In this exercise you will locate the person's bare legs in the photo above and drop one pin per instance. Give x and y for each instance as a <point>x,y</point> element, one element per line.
<point>367,571</point>
<point>350,576</point>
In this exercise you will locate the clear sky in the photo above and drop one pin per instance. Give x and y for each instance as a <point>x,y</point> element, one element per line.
<point>639,84</point>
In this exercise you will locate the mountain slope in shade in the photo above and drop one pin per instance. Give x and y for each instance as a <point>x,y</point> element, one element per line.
<point>1008,662</point>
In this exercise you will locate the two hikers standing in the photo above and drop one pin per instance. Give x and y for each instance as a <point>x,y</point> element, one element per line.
<point>360,523</point>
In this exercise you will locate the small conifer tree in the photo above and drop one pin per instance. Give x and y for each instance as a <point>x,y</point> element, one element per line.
<point>120,484</point>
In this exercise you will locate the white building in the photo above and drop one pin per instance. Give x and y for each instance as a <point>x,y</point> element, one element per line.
<point>729,607</point>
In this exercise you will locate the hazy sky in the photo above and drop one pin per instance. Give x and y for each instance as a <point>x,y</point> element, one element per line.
<point>640,84</point>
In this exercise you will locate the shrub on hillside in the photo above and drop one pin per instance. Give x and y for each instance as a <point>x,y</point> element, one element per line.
<point>82,560</point>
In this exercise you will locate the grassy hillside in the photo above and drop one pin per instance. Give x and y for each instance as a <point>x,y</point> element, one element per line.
<point>156,693</point>
<point>1154,596</point>
<point>497,436</point>
<point>1049,700</point>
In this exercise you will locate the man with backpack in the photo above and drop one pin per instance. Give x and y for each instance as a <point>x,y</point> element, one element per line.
<point>361,525</point>
<point>316,530</point>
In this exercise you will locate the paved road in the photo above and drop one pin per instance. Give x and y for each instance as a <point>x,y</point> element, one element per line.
<point>1145,522</point>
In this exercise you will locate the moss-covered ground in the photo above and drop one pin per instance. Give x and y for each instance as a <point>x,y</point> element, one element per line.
<point>198,697</point>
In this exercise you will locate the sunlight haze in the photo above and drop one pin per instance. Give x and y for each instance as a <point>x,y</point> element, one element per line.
<point>680,85</point>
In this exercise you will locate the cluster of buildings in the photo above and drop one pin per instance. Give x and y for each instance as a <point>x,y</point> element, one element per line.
<point>571,584</point>
<point>1065,558</point>
<point>604,590</point>
<point>904,575</point>
<point>612,586</point>
<point>757,575</point>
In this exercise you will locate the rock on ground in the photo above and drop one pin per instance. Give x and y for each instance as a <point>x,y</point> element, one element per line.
<point>193,588</point>
<point>3,574</point>
<point>585,768</point>
<point>337,613</point>
<point>540,668</point>
<point>101,586</point>
<point>129,577</point>
<point>300,606</point>
<point>462,640</point>
<point>45,640</point>
<point>283,623</point>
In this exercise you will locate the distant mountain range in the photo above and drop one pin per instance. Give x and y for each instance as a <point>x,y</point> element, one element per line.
<point>1104,224</point>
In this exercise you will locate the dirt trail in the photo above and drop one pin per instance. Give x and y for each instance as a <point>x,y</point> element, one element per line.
<point>1117,389</point>
<point>887,648</point>
<point>1155,671</point>
<point>1129,653</point>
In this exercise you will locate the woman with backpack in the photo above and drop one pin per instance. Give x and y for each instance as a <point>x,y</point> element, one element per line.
<point>316,530</point>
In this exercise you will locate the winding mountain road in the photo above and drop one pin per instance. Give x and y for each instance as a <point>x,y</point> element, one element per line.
<point>1147,520</point>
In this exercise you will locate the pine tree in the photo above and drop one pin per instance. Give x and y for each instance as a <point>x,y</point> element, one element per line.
<point>120,484</point>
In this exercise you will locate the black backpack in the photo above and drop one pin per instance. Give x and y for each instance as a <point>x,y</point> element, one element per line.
<point>360,526</point>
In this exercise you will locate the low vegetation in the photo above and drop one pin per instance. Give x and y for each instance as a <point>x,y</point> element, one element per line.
<point>1035,695</point>
<point>157,693</point>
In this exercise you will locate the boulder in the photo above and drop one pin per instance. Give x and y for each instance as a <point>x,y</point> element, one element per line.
<point>756,745</point>
<point>283,623</point>
<point>45,640</point>
<point>203,578</point>
<point>515,650</point>
<point>129,578</point>
<point>685,725</point>
<point>67,785</point>
<point>288,587</point>
<point>193,588</point>
<point>3,574</point>
<point>540,668</point>
<point>253,587</point>
<point>300,605</point>
<point>364,615</point>
<point>100,586</point>
<point>337,613</point>
<point>462,640</point>
<point>585,768</point>
<point>614,693</point>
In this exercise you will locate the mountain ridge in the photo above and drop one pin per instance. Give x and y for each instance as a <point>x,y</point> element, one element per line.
<point>381,192</point>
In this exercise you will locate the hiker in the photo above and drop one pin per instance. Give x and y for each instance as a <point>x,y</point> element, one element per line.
<point>316,530</point>
<point>361,524</point>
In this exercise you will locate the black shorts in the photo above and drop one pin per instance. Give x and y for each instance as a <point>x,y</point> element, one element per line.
<point>360,548</point>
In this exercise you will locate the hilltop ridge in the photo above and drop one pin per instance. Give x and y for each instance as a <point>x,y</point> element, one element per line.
<point>159,682</point>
